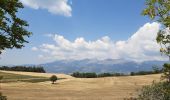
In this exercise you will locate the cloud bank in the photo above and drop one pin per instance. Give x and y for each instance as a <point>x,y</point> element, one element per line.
<point>58,7</point>
<point>141,46</point>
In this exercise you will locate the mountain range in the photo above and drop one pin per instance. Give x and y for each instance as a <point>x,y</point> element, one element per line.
<point>100,66</point>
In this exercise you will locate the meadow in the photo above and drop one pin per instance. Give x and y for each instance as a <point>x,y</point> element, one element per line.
<point>70,88</point>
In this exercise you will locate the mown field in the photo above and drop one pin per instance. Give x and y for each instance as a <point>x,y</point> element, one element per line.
<point>69,88</point>
<point>10,77</point>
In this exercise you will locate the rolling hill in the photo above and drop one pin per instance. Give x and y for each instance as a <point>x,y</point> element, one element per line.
<point>108,88</point>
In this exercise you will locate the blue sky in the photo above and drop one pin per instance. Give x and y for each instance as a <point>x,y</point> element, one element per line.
<point>109,24</point>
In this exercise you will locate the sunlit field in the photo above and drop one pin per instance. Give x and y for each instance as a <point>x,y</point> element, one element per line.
<point>84,49</point>
<point>69,88</point>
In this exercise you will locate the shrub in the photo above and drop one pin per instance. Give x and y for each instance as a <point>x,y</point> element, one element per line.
<point>166,72</point>
<point>156,91</point>
<point>53,79</point>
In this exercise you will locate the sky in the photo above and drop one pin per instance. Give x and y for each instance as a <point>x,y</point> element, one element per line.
<point>85,29</point>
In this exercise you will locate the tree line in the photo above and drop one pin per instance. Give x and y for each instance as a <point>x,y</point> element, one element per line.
<point>38,69</point>
<point>154,71</point>
<point>95,75</point>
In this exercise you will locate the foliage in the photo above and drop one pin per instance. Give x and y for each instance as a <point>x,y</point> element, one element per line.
<point>38,69</point>
<point>84,75</point>
<point>12,28</point>
<point>156,91</point>
<point>53,78</point>
<point>163,38</point>
<point>158,9</point>
<point>94,75</point>
<point>110,74</point>
<point>2,97</point>
<point>105,75</point>
<point>166,70</point>
<point>146,72</point>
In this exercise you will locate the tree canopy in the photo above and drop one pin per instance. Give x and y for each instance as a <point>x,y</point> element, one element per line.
<point>12,29</point>
<point>53,78</point>
<point>160,10</point>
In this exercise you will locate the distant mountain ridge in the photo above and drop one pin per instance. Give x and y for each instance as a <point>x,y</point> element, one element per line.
<point>100,66</point>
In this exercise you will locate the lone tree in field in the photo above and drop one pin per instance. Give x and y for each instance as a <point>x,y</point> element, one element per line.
<point>160,10</point>
<point>53,79</point>
<point>12,29</point>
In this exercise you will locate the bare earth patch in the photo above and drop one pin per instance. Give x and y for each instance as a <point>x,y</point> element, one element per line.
<point>110,88</point>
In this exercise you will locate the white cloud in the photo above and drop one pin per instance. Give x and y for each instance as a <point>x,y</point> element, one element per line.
<point>59,7</point>
<point>48,35</point>
<point>34,49</point>
<point>141,46</point>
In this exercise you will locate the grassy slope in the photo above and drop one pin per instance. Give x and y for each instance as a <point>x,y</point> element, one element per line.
<point>110,88</point>
<point>10,77</point>
<point>38,74</point>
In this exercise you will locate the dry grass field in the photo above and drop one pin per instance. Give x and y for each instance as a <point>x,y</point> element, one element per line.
<point>109,88</point>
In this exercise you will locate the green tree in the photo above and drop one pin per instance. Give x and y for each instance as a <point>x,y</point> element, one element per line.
<point>160,10</point>
<point>166,70</point>
<point>156,69</point>
<point>12,29</point>
<point>53,79</point>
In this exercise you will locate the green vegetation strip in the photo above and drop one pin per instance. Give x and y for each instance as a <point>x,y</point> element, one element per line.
<point>9,77</point>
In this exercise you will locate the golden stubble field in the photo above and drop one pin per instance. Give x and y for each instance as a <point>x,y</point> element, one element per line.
<point>109,88</point>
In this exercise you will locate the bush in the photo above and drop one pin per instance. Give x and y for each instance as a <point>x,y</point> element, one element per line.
<point>53,79</point>
<point>156,91</point>
<point>166,72</point>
